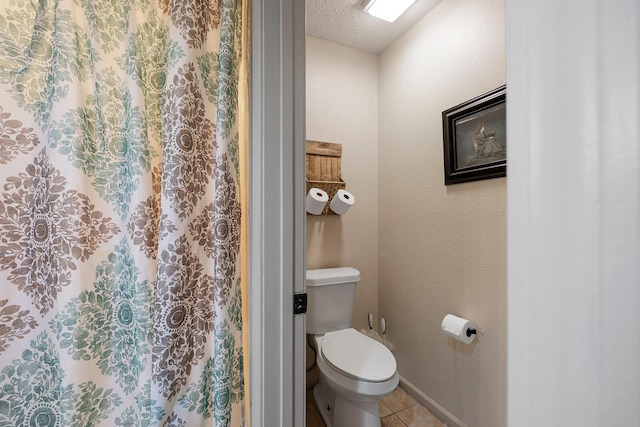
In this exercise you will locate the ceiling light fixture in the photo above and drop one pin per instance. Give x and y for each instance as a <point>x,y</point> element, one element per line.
<point>389,10</point>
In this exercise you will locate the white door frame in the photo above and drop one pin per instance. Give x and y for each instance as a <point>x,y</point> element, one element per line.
<point>276,213</point>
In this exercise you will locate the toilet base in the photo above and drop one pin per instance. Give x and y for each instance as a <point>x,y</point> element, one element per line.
<point>336,411</point>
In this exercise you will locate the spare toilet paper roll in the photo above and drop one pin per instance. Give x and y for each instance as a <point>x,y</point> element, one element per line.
<point>457,327</point>
<point>316,201</point>
<point>341,202</point>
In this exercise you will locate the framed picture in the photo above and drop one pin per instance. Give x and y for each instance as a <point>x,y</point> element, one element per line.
<point>475,138</point>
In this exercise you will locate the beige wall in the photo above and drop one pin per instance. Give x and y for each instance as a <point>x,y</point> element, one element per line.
<point>342,107</point>
<point>425,249</point>
<point>442,249</point>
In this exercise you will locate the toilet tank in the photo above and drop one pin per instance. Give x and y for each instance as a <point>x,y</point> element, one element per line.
<point>330,293</point>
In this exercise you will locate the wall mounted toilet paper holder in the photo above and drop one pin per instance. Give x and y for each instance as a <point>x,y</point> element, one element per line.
<point>458,328</point>
<point>324,169</point>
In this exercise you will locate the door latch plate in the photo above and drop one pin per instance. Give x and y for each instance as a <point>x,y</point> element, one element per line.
<point>299,303</point>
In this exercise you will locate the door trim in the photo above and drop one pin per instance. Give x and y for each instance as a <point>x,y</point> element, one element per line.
<point>276,213</point>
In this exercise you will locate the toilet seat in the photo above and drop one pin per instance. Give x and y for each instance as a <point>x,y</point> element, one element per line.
<point>358,356</point>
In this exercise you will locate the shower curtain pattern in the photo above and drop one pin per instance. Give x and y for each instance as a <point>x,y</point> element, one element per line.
<point>120,213</point>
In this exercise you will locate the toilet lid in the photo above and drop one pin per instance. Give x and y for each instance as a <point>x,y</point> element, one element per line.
<point>358,356</point>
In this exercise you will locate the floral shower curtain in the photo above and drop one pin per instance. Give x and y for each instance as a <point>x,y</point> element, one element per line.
<point>119,213</point>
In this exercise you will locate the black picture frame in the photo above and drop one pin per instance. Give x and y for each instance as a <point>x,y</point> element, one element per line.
<point>475,138</point>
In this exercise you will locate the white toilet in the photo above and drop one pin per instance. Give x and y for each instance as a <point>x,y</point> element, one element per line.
<point>355,370</point>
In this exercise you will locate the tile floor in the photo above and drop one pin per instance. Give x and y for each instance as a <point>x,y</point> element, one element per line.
<point>398,409</point>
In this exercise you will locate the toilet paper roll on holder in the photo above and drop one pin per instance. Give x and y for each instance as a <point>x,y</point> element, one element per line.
<point>459,328</point>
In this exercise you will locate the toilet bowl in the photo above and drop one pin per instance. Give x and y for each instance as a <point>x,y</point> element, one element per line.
<point>356,371</point>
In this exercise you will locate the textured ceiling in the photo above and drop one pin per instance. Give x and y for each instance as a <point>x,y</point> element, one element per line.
<point>345,22</point>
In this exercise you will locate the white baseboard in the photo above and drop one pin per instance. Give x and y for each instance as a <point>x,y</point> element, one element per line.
<point>445,416</point>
